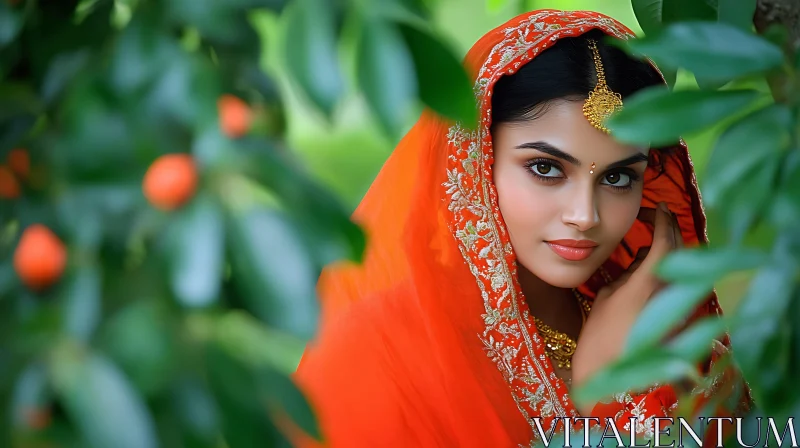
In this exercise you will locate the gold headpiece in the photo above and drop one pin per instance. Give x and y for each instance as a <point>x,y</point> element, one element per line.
<point>602,102</point>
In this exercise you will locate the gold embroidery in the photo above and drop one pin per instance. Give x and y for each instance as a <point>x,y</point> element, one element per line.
<point>559,347</point>
<point>509,337</point>
<point>602,101</point>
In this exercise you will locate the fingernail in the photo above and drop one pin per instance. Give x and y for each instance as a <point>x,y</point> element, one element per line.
<point>663,206</point>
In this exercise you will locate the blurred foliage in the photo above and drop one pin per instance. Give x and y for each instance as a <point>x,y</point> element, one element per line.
<point>750,186</point>
<point>160,241</point>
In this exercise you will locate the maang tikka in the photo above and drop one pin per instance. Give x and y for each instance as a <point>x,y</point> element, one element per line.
<point>602,102</point>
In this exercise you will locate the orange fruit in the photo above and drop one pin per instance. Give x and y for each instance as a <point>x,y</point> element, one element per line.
<point>235,116</point>
<point>20,162</point>
<point>170,181</point>
<point>40,257</point>
<point>9,187</point>
<point>38,418</point>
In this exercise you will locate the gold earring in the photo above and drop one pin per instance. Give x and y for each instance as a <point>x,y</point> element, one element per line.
<point>591,171</point>
<point>602,102</point>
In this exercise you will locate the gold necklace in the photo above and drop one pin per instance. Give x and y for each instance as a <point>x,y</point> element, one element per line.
<point>558,346</point>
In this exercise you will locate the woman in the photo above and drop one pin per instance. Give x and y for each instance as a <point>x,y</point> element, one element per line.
<point>507,263</point>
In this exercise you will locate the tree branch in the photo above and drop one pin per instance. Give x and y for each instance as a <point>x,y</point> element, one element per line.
<point>783,12</point>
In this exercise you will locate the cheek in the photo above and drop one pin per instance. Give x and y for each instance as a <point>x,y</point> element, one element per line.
<point>524,206</point>
<point>619,213</point>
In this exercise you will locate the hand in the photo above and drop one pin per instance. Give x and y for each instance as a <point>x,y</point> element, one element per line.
<point>618,304</point>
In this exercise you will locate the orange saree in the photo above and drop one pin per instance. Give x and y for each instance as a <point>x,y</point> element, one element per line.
<point>429,342</point>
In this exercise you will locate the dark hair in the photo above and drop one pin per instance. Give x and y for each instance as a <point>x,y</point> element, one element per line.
<point>566,71</point>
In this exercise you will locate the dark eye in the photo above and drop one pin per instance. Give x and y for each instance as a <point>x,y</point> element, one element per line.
<point>617,179</point>
<point>545,170</point>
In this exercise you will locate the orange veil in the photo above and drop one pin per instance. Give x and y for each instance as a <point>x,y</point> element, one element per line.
<point>429,341</point>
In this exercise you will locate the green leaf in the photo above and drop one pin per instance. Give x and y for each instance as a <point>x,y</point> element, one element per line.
<point>797,59</point>
<point>785,211</point>
<point>705,84</point>
<point>138,339</point>
<point>326,227</point>
<point>743,147</point>
<point>738,13</point>
<point>239,397</point>
<point>311,52</point>
<point>196,412</point>
<point>273,267</point>
<point>714,52</point>
<point>212,150</point>
<point>688,10</point>
<point>82,302</point>
<point>670,76</point>
<point>284,398</point>
<point>699,265</point>
<point>694,343</point>
<point>791,318</point>
<point>93,124</point>
<point>649,14</point>
<point>776,33</point>
<point>634,373</point>
<point>658,116</point>
<point>185,89</point>
<point>757,319</point>
<point>8,277</point>
<point>222,24</point>
<point>422,8</point>
<point>11,22</point>
<point>141,53</point>
<point>653,15</point>
<point>386,74</point>
<point>743,206</point>
<point>198,253</point>
<point>320,218</point>
<point>62,71</point>
<point>18,99</point>
<point>444,84</point>
<point>32,395</point>
<point>100,212</point>
<point>14,129</point>
<point>93,31</point>
<point>246,338</point>
<point>97,398</point>
<point>663,313</point>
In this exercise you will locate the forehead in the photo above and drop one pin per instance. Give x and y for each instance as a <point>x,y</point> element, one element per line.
<point>563,125</point>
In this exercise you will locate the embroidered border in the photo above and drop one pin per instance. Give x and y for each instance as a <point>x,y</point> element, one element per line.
<point>509,338</point>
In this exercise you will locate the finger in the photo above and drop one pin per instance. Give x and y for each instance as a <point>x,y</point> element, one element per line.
<point>677,229</point>
<point>603,293</point>
<point>663,238</point>
<point>663,234</point>
<point>641,255</point>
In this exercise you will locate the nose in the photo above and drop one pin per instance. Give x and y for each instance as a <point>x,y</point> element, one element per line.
<point>580,211</point>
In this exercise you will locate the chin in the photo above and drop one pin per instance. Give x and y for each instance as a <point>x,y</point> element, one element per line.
<point>564,277</point>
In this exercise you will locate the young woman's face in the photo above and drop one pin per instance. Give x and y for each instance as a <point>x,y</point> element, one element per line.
<point>568,193</point>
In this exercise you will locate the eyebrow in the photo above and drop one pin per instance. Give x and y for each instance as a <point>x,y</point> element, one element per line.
<point>550,149</point>
<point>555,152</point>
<point>638,157</point>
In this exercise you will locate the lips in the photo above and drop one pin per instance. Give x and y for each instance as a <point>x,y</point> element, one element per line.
<point>572,250</point>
